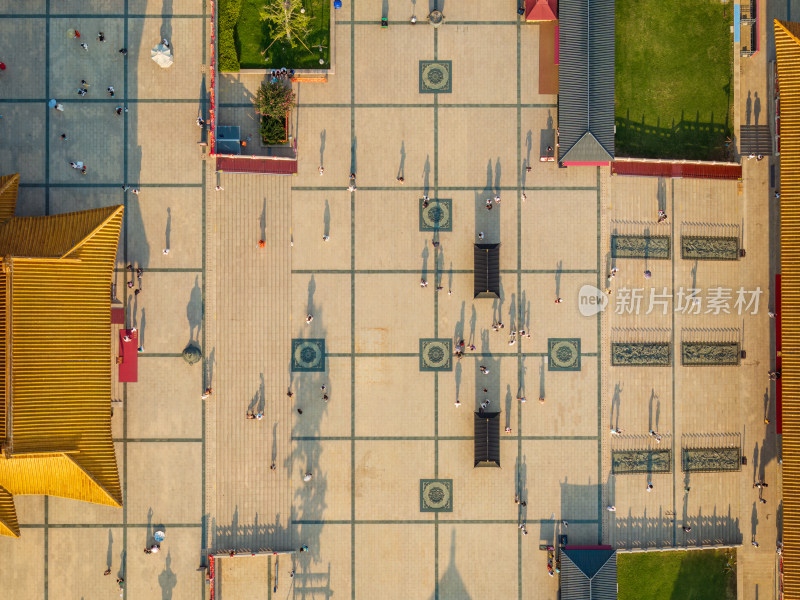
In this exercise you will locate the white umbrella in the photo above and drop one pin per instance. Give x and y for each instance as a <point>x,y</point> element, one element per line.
<point>162,56</point>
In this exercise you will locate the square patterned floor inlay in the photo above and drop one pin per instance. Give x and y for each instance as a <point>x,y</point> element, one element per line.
<point>436,495</point>
<point>435,76</point>
<point>435,354</point>
<point>308,355</point>
<point>564,354</point>
<point>437,216</point>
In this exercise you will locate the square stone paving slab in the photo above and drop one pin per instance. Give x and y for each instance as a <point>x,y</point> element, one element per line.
<point>24,56</point>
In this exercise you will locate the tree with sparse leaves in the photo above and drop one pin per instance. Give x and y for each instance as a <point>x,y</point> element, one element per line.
<point>287,19</point>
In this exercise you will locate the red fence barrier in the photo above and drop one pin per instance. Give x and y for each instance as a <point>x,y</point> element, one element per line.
<point>671,169</point>
<point>267,165</point>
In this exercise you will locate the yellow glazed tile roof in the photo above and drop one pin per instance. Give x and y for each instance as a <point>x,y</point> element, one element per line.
<point>787,43</point>
<point>9,186</point>
<point>55,356</point>
<point>8,515</point>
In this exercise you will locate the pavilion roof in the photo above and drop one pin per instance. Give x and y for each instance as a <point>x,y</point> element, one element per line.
<point>586,81</point>
<point>55,355</point>
<point>589,574</point>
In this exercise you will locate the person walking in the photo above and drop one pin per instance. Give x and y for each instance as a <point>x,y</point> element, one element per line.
<point>307,477</point>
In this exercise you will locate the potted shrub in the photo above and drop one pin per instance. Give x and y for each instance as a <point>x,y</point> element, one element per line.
<point>274,102</point>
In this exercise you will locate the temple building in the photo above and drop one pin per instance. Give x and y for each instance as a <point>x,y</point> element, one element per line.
<point>55,355</point>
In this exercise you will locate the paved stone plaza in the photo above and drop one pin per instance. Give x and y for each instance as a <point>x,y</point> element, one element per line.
<point>390,429</point>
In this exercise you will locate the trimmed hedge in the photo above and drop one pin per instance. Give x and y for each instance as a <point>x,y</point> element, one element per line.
<point>228,13</point>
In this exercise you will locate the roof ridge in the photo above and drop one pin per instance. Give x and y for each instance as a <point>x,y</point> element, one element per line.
<point>9,186</point>
<point>9,181</point>
<point>599,567</point>
<point>8,514</point>
<point>791,28</point>
<point>116,501</point>
<point>588,134</point>
<point>112,213</point>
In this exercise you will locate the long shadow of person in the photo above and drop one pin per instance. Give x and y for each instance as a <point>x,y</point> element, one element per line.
<point>756,108</point>
<point>473,321</point>
<point>322,135</point>
<point>425,254</point>
<point>194,311</point>
<point>262,220</point>
<point>142,325</point>
<point>497,172</point>
<point>426,176</point>
<point>168,229</point>
<point>109,553</point>
<point>166,23</point>
<point>541,379</point>
<point>748,109</point>
<point>167,580</point>
<point>558,278</point>
<point>401,171</point>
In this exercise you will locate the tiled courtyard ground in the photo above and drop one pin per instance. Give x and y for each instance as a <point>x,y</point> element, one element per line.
<point>201,470</point>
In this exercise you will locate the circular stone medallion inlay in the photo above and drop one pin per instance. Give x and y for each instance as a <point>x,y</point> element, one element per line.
<point>564,354</point>
<point>307,354</point>
<point>435,76</point>
<point>436,214</point>
<point>436,495</point>
<point>436,355</point>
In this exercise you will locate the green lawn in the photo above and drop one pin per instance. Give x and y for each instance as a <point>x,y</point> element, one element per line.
<point>251,36</point>
<point>684,575</point>
<point>673,78</point>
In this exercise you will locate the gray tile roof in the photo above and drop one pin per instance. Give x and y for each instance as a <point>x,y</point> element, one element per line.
<point>588,574</point>
<point>586,80</point>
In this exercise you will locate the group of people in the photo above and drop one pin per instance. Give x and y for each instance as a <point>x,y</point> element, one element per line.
<point>277,75</point>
